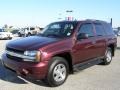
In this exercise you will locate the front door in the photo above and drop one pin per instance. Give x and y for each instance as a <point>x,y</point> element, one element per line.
<point>84,49</point>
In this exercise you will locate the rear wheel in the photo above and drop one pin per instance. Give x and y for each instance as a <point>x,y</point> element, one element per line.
<point>108,56</point>
<point>29,34</point>
<point>58,71</point>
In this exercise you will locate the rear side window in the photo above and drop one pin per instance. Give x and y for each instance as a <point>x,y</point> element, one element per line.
<point>99,29</point>
<point>108,29</point>
<point>86,28</point>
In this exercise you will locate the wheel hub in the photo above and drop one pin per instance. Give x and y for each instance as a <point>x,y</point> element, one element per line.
<point>59,73</point>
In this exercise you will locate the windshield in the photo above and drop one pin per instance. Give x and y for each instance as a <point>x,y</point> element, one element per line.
<point>2,30</point>
<point>59,29</point>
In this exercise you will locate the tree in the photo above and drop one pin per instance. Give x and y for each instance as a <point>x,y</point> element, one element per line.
<point>5,26</point>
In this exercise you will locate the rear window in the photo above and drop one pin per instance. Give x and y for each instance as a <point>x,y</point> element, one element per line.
<point>108,29</point>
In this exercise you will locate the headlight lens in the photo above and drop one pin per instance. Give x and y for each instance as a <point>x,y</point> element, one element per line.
<point>30,53</point>
<point>36,54</point>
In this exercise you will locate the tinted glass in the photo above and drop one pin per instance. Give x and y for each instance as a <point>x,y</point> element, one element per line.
<point>99,29</point>
<point>87,28</point>
<point>32,28</point>
<point>59,29</point>
<point>108,29</point>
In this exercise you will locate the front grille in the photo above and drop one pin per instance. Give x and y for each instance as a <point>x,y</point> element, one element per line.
<point>14,50</point>
<point>14,58</point>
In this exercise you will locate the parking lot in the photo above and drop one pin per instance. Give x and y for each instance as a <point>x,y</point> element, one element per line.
<point>98,77</point>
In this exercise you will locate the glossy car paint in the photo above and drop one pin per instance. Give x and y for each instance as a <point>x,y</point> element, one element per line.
<point>80,51</point>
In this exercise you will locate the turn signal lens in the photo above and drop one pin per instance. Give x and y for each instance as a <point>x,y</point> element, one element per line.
<point>38,56</point>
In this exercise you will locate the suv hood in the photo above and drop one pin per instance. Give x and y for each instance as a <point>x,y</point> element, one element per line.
<point>30,43</point>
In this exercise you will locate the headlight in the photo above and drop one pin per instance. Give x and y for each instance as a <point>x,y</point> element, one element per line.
<point>34,54</point>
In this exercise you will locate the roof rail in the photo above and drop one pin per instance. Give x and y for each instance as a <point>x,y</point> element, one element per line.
<point>90,19</point>
<point>95,20</point>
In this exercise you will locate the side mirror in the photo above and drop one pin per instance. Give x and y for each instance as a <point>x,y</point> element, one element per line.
<point>82,36</point>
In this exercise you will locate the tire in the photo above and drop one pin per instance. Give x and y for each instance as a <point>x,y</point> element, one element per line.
<point>19,34</point>
<point>57,72</point>
<point>29,34</point>
<point>10,38</point>
<point>108,57</point>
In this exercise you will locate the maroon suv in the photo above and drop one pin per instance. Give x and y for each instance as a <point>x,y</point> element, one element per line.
<point>60,49</point>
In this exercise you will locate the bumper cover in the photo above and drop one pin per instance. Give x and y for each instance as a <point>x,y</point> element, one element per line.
<point>28,69</point>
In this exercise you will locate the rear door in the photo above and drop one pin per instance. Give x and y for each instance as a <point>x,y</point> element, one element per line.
<point>100,39</point>
<point>84,49</point>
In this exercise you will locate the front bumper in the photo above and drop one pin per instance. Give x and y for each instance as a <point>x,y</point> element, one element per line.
<point>28,69</point>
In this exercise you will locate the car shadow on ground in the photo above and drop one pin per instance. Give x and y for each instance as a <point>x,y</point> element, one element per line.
<point>9,76</point>
<point>37,82</point>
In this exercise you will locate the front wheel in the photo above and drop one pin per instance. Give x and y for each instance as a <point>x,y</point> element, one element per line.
<point>29,34</point>
<point>19,35</point>
<point>58,71</point>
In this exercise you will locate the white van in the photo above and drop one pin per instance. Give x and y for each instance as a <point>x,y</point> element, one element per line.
<point>28,31</point>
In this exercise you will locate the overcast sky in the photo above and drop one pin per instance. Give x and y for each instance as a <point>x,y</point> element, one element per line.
<point>42,12</point>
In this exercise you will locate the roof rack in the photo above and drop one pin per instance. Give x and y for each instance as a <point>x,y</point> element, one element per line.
<point>92,20</point>
<point>95,20</point>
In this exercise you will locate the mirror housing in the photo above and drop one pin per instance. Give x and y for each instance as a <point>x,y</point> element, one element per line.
<point>82,36</point>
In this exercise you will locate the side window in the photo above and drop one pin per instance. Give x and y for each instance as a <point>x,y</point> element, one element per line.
<point>32,28</point>
<point>87,29</point>
<point>99,29</point>
<point>108,29</point>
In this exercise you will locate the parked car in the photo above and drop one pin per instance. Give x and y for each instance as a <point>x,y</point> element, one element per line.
<point>28,31</point>
<point>5,35</point>
<point>116,31</point>
<point>61,49</point>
